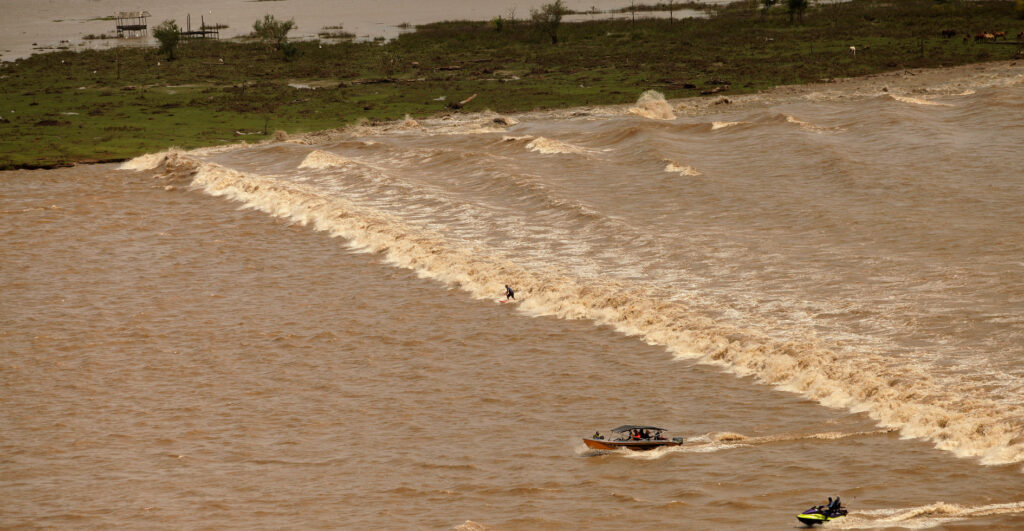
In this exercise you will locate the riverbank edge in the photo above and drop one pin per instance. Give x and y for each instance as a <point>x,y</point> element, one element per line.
<point>70,108</point>
<point>902,81</point>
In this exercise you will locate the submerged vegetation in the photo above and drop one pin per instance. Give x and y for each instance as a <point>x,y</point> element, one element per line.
<point>63,107</point>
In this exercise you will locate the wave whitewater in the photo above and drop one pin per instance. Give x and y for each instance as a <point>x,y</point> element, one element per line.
<point>908,399</point>
<point>318,160</point>
<point>918,101</point>
<point>672,166</point>
<point>808,126</point>
<point>549,146</point>
<point>652,105</point>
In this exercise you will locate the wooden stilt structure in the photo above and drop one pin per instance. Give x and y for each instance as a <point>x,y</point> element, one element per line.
<point>132,24</point>
<point>204,31</point>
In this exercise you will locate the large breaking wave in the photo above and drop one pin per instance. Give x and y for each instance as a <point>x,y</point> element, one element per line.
<point>898,395</point>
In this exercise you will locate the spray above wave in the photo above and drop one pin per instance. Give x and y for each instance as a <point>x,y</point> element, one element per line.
<point>652,104</point>
<point>150,161</point>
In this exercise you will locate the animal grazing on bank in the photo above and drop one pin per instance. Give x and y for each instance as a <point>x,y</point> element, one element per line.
<point>949,33</point>
<point>1020,36</point>
<point>999,34</point>
<point>984,37</point>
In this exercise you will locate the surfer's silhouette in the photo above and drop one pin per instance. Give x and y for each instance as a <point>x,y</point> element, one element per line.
<point>509,294</point>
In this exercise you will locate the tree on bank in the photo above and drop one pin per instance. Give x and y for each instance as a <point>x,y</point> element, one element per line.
<point>168,34</point>
<point>796,7</point>
<point>548,18</point>
<point>766,5</point>
<point>274,33</point>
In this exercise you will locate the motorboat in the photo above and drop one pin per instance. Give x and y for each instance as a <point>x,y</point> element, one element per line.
<point>632,437</point>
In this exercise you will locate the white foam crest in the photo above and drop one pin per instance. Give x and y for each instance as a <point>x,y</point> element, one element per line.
<point>652,104</point>
<point>723,125</point>
<point>149,161</point>
<point>923,517</point>
<point>905,397</point>
<point>807,126</point>
<point>550,146</point>
<point>672,166</point>
<point>410,123</point>
<point>318,160</point>
<point>477,123</point>
<point>917,101</point>
<point>416,248</point>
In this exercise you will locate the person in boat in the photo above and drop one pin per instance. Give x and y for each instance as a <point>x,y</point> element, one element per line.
<point>598,436</point>
<point>509,294</point>
<point>637,435</point>
<point>659,437</point>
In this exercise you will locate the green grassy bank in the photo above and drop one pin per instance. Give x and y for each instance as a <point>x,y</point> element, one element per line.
<point>64,107</point>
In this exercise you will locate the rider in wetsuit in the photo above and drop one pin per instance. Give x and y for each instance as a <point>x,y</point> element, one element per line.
<point>509,294</point>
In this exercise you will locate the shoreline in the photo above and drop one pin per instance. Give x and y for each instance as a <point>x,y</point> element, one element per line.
<point>67,108</point>
<point>920,81</point>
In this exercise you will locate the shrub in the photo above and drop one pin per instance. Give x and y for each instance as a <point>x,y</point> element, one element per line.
<point>548,18</point>
<point>275,33</point>
<point>168,34</point>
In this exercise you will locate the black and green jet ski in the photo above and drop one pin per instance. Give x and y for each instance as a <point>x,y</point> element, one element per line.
<point>820,514</point>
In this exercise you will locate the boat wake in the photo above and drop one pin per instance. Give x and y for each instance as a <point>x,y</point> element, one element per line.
<point>923,517</point>
<point>719,441</point>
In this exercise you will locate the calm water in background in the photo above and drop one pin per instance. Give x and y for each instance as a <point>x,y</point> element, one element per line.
<point>31,26</point>
<point>823,293</point>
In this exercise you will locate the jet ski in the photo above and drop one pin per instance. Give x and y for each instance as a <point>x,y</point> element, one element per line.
<point>820,514</point>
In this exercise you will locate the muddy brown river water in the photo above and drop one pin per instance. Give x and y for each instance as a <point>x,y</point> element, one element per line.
<point>821,289</point>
